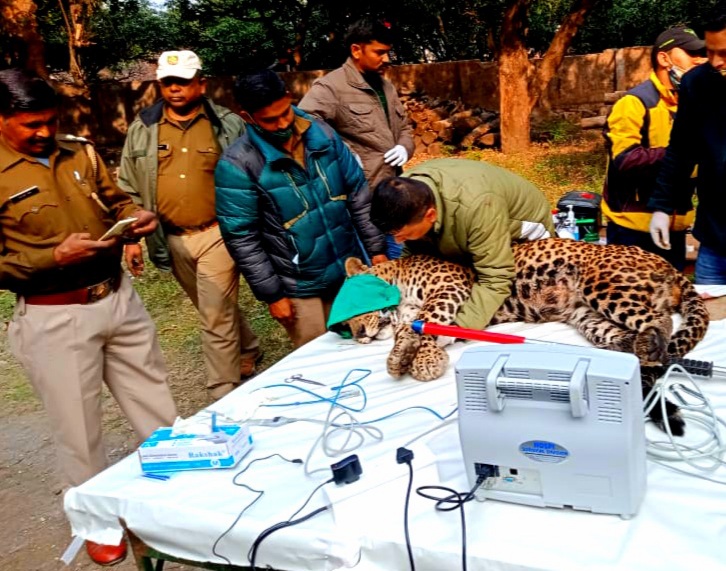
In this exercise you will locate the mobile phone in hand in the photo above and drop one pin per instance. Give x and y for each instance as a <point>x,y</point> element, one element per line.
<point>119,228</point>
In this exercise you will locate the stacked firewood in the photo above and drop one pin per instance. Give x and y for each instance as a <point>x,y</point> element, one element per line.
<point>441,123</point>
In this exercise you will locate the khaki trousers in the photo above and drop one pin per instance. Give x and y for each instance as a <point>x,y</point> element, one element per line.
<point>69,351</point>
<point>311,317</point>
<point>203,267</point>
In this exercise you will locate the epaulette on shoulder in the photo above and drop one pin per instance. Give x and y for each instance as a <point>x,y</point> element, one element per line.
<point>87,146</point>
<point>74,139</point>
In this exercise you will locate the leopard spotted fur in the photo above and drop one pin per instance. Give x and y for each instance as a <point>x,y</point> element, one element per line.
<point>618,297</point>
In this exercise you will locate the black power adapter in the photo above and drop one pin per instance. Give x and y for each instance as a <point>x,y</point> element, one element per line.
<point>347,471</point>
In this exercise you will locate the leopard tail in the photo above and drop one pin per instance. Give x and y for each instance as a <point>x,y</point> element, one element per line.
<point>694,320</point>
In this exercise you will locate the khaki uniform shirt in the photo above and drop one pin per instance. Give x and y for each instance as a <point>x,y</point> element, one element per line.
<point>187,159</point>
<point>41,205</point>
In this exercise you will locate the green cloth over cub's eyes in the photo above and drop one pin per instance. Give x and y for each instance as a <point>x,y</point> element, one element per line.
<point>361,294</point>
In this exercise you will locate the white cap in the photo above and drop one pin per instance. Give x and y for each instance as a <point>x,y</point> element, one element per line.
<point>184,64</point>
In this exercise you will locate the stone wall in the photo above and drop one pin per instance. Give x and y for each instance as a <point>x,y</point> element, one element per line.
<point>577,91</point>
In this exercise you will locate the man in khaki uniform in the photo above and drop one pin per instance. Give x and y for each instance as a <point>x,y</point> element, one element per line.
<point>167,165</point>
<point>78,322</point>
<point>364,108</point>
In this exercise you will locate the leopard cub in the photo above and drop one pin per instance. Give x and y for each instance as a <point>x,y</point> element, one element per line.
<point>618,297</point>
<point>432,290</point>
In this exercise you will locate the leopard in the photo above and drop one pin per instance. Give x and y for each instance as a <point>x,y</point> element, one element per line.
<point>618,297</point>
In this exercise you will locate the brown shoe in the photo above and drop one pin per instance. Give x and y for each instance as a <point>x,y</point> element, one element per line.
<point>248,366</point>
<point>106,555</point>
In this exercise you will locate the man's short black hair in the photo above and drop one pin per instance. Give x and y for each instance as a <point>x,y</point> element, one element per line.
<point>367,31</point>
<point>717,21</point>
<point>22,91</point>
<point>259,89</point>
<point>399,201</point>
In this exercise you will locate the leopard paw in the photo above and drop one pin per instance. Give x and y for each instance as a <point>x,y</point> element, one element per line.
<point>403,353</point>
<point>651,346</point>
<point>430,363</point>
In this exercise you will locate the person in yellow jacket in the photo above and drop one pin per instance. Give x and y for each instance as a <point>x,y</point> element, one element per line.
<point>636,134</point>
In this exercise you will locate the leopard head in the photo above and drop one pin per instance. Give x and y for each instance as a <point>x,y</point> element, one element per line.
<point>374,325</point>
<point>368,326</point>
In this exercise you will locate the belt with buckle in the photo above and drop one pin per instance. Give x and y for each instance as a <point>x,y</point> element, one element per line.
<point>183,230</point>
<point>82,296</point>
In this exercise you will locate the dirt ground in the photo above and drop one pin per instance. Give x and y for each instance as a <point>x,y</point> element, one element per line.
<point>33,529</point>
<point>34,532</point>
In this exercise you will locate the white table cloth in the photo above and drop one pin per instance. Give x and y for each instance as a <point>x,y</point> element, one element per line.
<point>681,524</point>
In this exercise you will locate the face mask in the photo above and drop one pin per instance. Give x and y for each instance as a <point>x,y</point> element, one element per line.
<point>675,74</point>
<point>275,137</point>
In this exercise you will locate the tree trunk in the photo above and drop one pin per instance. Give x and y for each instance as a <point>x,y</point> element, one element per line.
<point>19,21</point>
<point>78,13</point>
<point>560,43</point>
<point>514,72</point>
<point>520,87</point>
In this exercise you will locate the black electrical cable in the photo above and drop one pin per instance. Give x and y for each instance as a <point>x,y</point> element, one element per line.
<point>405,517</point>
<point>405,456</point>
<point>276,455</point>
<point>259,493</point>
<point>252,555</point>
<point>457,499</point>
<point>310,497</point>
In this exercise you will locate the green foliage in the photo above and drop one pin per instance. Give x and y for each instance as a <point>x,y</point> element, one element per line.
<point>622,23</point>
<point>221,44</point>
<point>237,35</point>
<point>126,31</point>
<point>7,303</point>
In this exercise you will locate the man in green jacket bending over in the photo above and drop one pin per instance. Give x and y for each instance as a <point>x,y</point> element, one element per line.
<point>468,212</point>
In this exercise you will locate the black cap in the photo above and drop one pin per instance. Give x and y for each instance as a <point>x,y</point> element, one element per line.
<point>679,37</point>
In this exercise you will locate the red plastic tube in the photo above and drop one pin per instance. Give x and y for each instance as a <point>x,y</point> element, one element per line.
<point>425,328</point>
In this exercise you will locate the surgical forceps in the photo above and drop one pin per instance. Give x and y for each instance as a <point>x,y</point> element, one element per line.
<point>298,378</point>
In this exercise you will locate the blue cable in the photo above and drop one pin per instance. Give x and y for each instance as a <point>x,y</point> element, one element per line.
<point>432,411</point>
<point>355,384</point>
<point>334,400</point>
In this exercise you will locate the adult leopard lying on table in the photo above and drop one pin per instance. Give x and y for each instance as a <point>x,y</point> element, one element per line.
<point>618,297</point>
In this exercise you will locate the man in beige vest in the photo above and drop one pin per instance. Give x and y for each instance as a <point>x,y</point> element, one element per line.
<point>167,164</point>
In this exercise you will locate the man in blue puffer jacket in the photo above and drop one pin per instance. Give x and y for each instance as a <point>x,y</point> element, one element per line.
<point>293,205</point>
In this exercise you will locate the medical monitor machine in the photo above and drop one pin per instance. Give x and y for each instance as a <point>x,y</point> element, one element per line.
<point>554,426</point>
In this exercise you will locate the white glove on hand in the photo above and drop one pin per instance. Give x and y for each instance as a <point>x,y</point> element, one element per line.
<point>396,157</point>
<point>659,230</point>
